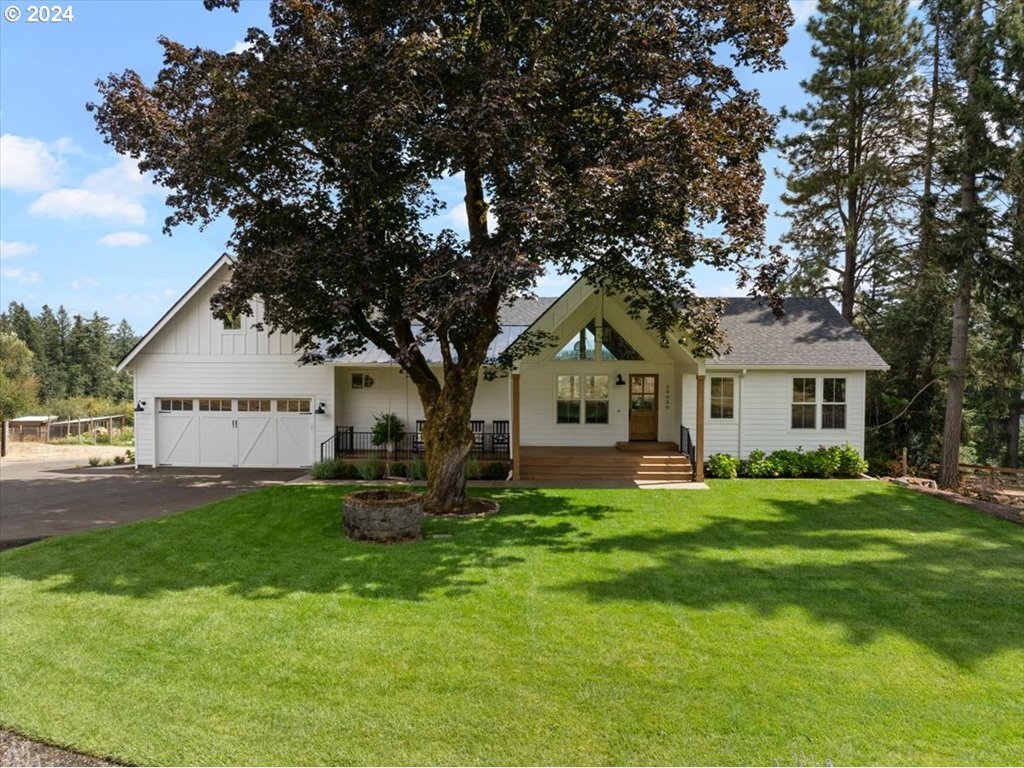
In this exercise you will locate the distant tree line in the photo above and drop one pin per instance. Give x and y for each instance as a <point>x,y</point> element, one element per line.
<point>70,361</point>
<point>905,194</point>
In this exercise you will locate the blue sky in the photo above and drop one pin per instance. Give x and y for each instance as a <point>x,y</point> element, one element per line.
<point>80,227</point>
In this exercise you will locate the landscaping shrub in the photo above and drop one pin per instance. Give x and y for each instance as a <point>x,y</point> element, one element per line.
<point>496,470</point>
<point>821,463</point>
<point>472,469</point>
<point>119,459</point>
<point>788,463</point>
<point>371,469</point>
<point>759,464</point>
<point>722,465</point>
<point>417,470</point>
<point>129,456</point>
<point>326,470</point>
<point>349,472</point>
<point>94,461</point>
<point>850,462</point>
<point>399,469</point>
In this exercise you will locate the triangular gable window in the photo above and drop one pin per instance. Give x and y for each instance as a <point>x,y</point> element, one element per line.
<point>615,347</point>
<point>583,346</point>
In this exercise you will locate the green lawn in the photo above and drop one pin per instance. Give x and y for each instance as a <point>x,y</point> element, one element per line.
<point>761,622</point>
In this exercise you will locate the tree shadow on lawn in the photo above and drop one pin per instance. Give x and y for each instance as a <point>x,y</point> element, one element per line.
<point>288,540</point>
<point>872,564</point>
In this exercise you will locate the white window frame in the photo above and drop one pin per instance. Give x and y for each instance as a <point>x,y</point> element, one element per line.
<point>819,403</point>
<point>722,419</point>
<point>582,400</point>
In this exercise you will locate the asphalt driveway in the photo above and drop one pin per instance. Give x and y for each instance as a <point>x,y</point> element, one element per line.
<point>47,497</point>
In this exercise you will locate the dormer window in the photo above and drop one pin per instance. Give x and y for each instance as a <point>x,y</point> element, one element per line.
<point>233,322</point>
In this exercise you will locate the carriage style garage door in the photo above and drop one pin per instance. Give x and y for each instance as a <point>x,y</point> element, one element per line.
<point>241,432</point>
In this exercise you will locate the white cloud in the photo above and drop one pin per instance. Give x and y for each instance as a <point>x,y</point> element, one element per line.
<point>77,284</point>
<point>240,47</point>
<point>70,203</point>
<point>22,276</point>
<point>29,165</point>
<point>122,178</point>
<point>12,249</point>
<point>124,239</point>
<point>802,10</point>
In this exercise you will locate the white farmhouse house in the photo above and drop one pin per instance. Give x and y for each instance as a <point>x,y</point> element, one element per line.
<point>606,396</point>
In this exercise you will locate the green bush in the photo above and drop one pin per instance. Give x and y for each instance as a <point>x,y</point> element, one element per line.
<point>129,456</point>
<point>472,469</point>
<point>722,465</point>
<point>759,464</point>
<point>387,427</point>
<point>417,469</point>
<point>788,463</point>
<point>371,469</point>
<point>850,462</point>
<point>349,472</point>
<point>496,470</point>
<point>821,463</point>
<point>119,459</point>
<point>399,469</point>
<point>326,470</point>
<point>94,461</point>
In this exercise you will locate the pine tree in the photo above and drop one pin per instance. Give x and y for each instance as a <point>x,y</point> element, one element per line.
<point>852,160</point>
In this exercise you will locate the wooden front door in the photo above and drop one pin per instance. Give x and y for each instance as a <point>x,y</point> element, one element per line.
<point>643,406</point>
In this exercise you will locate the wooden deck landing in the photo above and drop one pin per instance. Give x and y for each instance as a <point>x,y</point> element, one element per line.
<point>568,463</point>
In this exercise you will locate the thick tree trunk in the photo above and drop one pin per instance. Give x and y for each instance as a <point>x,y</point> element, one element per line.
<point>447,441</point>
<point>949,469</point>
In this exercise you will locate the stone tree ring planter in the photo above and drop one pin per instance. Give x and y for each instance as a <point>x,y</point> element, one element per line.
<point>383,517</point>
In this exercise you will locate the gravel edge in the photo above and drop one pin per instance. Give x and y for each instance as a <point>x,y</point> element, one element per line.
<point>16,750</point>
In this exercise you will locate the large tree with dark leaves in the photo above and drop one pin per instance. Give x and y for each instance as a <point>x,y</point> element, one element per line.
<point>609,138</point>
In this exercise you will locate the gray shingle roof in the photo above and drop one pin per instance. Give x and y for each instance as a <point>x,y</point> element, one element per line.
<point>812,334</point>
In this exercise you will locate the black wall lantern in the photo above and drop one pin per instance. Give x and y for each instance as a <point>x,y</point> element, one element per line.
<point>619,382</point>
<point>321,409</point>
<point>140,406</point>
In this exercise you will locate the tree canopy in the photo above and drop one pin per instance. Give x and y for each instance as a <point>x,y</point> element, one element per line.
<point>610,139</point>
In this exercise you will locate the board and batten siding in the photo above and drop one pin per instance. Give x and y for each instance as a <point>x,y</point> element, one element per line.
<point>762,408</point>
<point>195,356</point>
<point>393,392</point>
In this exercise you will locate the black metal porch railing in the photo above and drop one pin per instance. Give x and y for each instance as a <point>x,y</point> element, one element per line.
<point>347,443</point>
<point>686,446</point>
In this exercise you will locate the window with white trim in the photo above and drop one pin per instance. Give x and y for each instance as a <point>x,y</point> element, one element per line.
<point>804,404</point>
<point>362,381</point>
<point>723,397</point>
<point>253,406</point>
<point>233,322</point>
<point>833,403</point>
<point>581,399</point>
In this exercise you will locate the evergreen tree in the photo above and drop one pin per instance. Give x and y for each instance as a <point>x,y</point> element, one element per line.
<point>852,161</point>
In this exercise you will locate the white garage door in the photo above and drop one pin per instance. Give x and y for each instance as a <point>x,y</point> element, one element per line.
<point>234,432</point>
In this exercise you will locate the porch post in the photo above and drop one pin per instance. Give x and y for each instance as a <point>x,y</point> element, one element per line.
<point>515,426</point>
<point>698,470</point>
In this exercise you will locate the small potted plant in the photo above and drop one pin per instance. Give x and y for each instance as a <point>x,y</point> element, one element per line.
<point>388,429</point>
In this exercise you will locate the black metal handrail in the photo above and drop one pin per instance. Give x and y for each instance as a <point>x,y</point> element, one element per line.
<point>346,442</point>
<point>686,446</point>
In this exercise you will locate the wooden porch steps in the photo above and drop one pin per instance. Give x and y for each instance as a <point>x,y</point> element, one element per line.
<point>568,464</point>
<point>646,447</point>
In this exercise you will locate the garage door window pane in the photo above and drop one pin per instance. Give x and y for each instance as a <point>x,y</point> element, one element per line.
<point>169,404</point>
<point>293,406</point>
<point>253,406</point>
<point>214,405</point>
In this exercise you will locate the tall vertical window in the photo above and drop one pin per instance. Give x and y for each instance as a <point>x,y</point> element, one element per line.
<point>833,404</point>
<point>804,403</point>
<point>595,399</point>
<point>722,397</point>
<point>567,399</point>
